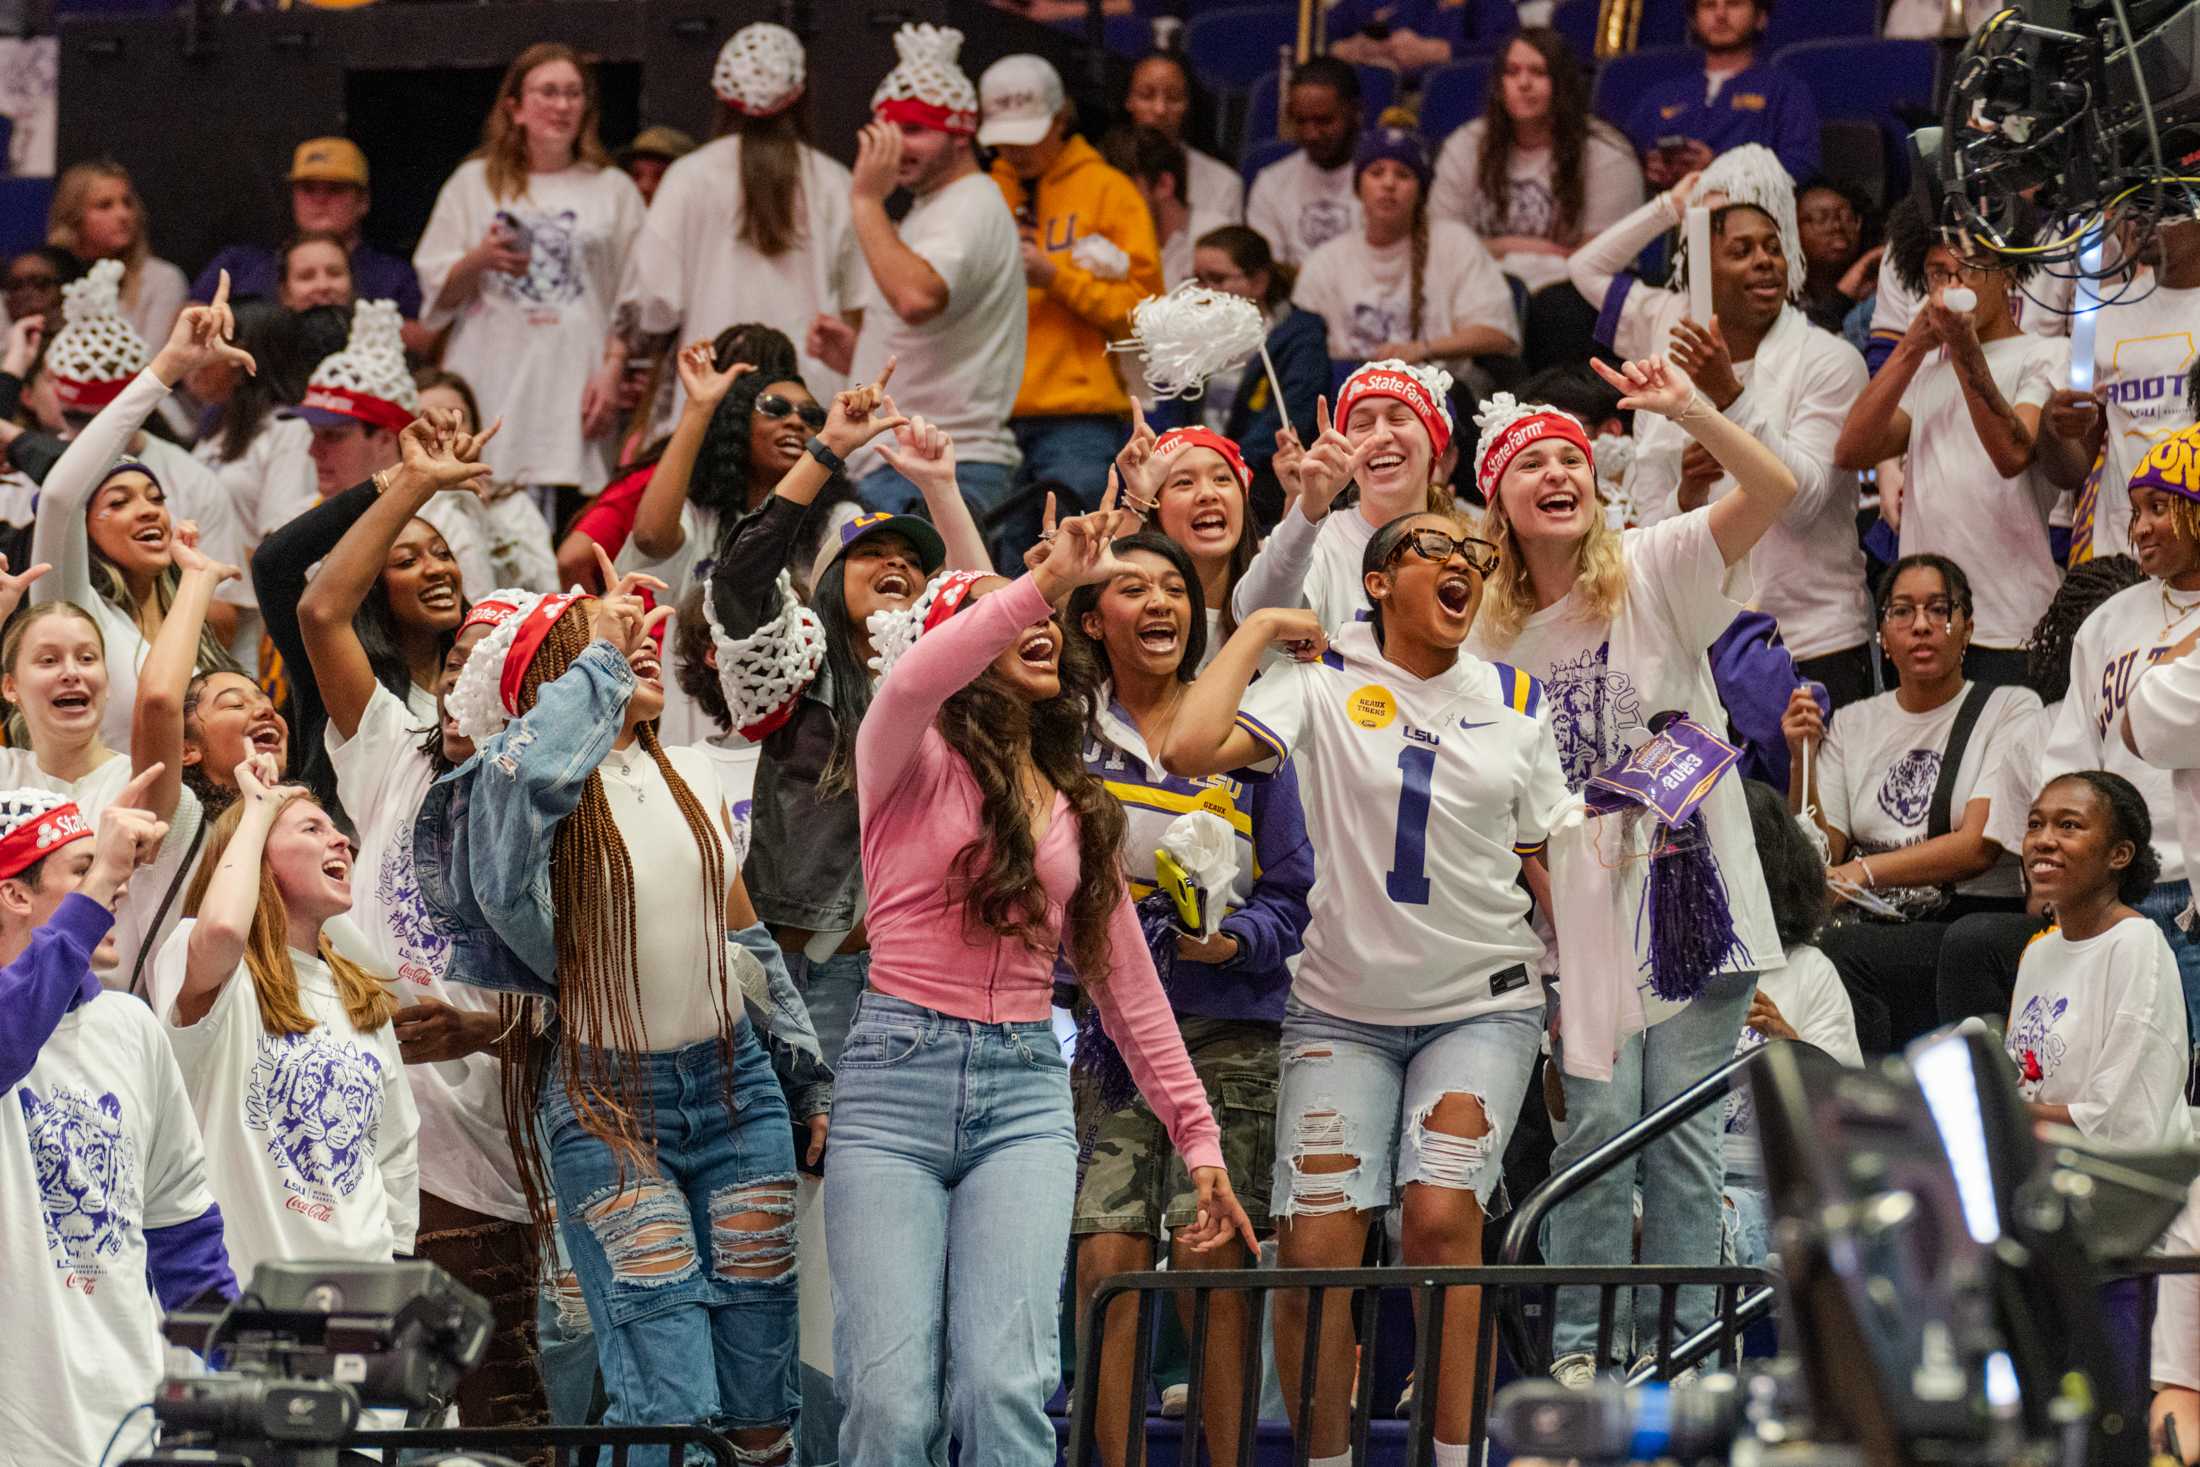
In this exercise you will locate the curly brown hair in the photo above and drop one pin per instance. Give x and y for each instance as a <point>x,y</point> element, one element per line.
<point>996,875</point>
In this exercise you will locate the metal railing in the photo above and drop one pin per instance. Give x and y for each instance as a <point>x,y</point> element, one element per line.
<point>574,1446</point>
<point>1430,1288</point>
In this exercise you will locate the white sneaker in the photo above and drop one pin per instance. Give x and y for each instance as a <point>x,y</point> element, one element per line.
<point>1575,1372</point>
<point>1173,1399</point>
<point>1405,1397</point>
<point>1647,1368</point>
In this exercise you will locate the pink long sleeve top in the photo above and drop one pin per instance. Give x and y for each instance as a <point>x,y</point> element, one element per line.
<point>920,807</point>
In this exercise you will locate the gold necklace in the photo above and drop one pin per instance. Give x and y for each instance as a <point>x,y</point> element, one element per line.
<point>2173,611</point>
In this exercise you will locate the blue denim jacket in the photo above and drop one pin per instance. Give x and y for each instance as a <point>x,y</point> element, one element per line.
<point>481,851</point>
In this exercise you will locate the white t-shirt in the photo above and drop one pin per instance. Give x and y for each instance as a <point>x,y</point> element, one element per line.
<point>1298,208</point>
<point>2142,354</point>
<point>1611,189</point>
<point>96,1146</point>
<point>1420,798</point>
<point>162,290</point>
<point>692,274</point>
<point>1366,293</point>
<point>1880,764</point>
<point>272,482</point>
<point>1310,563</point>
<point>734,759</point>
<point>2015,782</point>
<point>2099,1026</point>
<point>678,1005</point>
<point>1797,391</point>
<point>381,775</point>
<point>529,343</point>
<point>1604,680</point>
<point>1809,994</point>
<point>310,1138</point>
<point>2176,1358</point>
<point>2125,634</point>
<point>1956,504</point>
<point>962,368</point>
<point>1215,190</point>
<point>2042,307</point>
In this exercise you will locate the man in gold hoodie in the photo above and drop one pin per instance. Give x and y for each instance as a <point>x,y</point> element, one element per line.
<point>1089,256</point>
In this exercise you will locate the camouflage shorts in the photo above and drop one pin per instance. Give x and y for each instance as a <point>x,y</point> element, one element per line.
<point>1131,1179</point>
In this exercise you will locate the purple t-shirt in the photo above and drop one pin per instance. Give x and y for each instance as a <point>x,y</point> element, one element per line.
<point>253,274</point>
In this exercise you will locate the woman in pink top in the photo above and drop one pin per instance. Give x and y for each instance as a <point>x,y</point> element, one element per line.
<point>987,849</point>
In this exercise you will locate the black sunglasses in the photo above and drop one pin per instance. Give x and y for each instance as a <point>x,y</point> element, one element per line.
<point>1435,545</point>
<point>772,405</point>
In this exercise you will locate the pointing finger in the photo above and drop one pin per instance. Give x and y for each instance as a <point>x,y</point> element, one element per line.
<point>133,794</point>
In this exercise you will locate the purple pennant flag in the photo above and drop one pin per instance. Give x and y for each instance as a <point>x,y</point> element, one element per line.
<point>1669,773</point>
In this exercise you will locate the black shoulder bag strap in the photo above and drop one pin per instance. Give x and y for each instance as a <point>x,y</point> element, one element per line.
<point>1939,821</point>
<point>167,900</point>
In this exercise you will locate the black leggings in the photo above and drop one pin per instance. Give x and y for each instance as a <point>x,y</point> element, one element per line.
<point>1894,970</point>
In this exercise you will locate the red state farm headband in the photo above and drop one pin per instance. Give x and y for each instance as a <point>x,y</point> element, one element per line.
<point>948,599</point>
<point>1380,382</point>
<point>77,396</point>
<point>487,614</point>
<point>962,123</point>
<point>34,840</point>
<point>1176,440</point>
<point>1497,456</point>
<point>367,408</point>
<point>526,642</point>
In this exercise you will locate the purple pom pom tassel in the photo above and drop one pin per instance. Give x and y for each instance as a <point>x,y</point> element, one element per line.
<point>1692,932</point>
<point>1099,1063</point>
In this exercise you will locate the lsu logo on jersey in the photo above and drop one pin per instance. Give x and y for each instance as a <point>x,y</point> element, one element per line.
<point>1371,706</point>
<point>2117,677</point>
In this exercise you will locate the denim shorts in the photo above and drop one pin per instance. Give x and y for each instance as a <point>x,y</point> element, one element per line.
<point>686,1260</point>
<point>1353,1089</point>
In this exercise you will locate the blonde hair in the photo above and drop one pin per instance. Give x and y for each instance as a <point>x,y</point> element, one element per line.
<point>17,727</point>
<point>366,1002</point>
<point>72,195</point>
<point>1508,598</point>
<point>503,149</point>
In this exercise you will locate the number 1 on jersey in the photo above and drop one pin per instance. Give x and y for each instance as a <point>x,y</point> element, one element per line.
<point>1407,880</point>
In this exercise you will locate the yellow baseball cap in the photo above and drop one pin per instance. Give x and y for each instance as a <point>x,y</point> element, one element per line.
<point>329,160</point>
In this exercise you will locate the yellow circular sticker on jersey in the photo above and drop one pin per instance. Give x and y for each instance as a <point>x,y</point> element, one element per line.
<point>1371,706</point>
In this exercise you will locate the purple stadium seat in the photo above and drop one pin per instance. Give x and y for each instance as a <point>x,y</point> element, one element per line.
<point>1231,48</point>
<point>1454,95</point>
<point>1378,89</point>
<point>1622,80</point>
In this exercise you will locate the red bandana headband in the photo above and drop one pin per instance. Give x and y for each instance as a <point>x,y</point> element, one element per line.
<point>928,114</point>
<point>380,412</point>
<point>1176,440</point>
<point>1374,381</point>
<point>86,397</point>
<point>34,840</point>
<point>953,592</point>
<point>526,642</point>
<point>1497,456</point>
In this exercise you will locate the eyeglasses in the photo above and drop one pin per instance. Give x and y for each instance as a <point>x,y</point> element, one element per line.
<point>1938,611</point>
<point>772,405</point>
<point>1435,545</point>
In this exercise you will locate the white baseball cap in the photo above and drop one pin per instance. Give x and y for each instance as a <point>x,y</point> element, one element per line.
<point>1018,99</point>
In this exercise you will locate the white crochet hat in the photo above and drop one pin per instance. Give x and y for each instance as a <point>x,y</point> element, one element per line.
<point>895,632</point>
<point>34,824</point>
<point>761,70</point>
<point>927,87</point>
<point>1752,174</point>
<point>367,380</point>
<point>96,352</point>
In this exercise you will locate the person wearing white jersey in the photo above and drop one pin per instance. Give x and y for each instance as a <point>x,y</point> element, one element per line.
<point>286,1046</point>
<point>1415,1016</point>
<point>2133,629</point>
<point>1615,626</point>
<point>2146,339</point>
<point>1391,435</point>
<point>752,226</point>
<point>1760,361</point>
<point>1961,397</point>
<point>107,1217</point>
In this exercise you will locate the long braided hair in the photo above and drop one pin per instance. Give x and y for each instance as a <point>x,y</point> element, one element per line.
<point>599,982</point>
<point>996,876</point>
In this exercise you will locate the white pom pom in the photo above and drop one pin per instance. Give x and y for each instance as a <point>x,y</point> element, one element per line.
<point>1096,254</point>
<point>1190,334</point>
<point>1960,298</point>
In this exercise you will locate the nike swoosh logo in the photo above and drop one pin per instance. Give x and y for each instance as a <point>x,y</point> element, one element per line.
<point>1464,724</point>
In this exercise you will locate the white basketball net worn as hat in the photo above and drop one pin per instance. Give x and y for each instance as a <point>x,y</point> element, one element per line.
<point>1751,174</point>
<point>763,672</point>
<point>476,700</point>
<point>928,71</point>
<point>761,70</point>
<point>372,362</point>
<point>95,343</point>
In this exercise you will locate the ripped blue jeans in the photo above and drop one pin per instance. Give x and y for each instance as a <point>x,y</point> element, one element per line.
<point>693,1259</point>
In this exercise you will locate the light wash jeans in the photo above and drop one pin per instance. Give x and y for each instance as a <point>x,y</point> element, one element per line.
<point>1682,1174</point>
<point>953,1157</point>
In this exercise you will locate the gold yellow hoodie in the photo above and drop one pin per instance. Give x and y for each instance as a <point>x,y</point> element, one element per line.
<point>1067,368</point>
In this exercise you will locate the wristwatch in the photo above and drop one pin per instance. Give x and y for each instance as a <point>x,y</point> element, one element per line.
<point>816,449</point>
